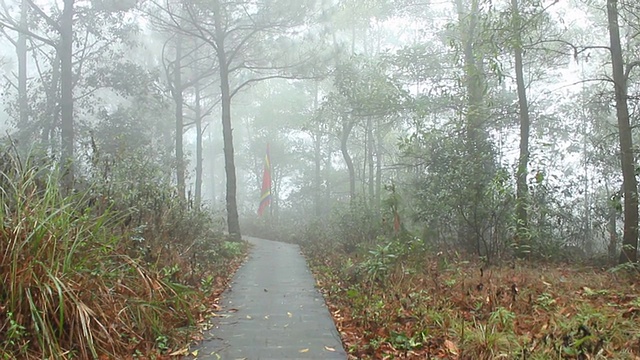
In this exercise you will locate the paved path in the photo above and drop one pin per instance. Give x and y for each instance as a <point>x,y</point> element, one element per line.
<point>272,310</point>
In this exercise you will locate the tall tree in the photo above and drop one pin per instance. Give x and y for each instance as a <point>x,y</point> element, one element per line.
<point>240,33</point>
<point>522,190</point>
<point>177,90</point>
<point>65,51</point>
<point>198,123</point>
<point>629,183</point>
<point>21,50</point>
<point>478,152</point>
<point>77,42</point>
<point>20,45</point>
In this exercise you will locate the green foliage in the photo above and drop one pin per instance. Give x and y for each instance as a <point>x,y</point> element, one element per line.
<point>455,203</point>
<point>403,342</point>
<point>546,301</point>
<point>232,249</point>
<point>379,263</point>
<point>365,88</point>
<point>354,225</point>
<point>503,318</point>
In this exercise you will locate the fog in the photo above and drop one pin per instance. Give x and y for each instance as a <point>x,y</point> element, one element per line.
<point>470,112</point>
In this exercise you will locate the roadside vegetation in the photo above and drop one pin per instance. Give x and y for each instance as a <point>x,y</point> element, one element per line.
<point>400,298</point>
<point>121,269</point>
<point>395,295</point>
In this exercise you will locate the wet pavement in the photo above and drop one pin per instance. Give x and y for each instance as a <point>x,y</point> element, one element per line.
<point>272,310</point>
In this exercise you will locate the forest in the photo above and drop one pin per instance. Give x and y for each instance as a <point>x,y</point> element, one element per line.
<point>461,175</point>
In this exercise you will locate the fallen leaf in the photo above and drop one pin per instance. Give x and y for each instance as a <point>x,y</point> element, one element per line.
<point>328,348</point>
<point>289,314</point>
<point>451,347</point>
<point>184,351</point>
<point>248,317</point>
<point>304,350</point>
<point>194,353</point>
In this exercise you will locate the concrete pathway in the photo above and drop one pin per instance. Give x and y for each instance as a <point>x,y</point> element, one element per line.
<point>272,310</point>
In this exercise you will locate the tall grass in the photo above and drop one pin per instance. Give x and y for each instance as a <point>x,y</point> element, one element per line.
<point>71,288</point>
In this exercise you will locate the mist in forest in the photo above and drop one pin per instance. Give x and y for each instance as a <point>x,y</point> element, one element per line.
<point>477,121</point>
<point>445,166</point>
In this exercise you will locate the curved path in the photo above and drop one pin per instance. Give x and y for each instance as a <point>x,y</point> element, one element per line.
<point>272,310</point>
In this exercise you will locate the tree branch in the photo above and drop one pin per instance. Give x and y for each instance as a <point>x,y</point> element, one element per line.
<point>6,35</point>
<point>27,32</point>
<point>10,82</point>
<point>46,17</point>
<point>630,67</point>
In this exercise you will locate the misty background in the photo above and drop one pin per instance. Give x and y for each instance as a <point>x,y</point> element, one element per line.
<point>407,108</point>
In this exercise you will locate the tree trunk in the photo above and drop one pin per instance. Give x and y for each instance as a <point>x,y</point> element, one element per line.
<point>473,73</point>
<point>347,126</point>
<point>65,51</point>
<point>630,239</point>
<point>233,221</point>
<point>378,165</point>
<point>179,113</point>
<point>198,119</point>
<point>522,191</point>
<point>212,172</point>
<point>612,227</point>
<point>317,154</point>
<point>328,168</point>
<point>21,50</point>
<point>371,181</point>
<point>477,148</point>
<point>52,116</point>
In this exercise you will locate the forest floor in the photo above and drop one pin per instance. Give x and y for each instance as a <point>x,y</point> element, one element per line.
<point>440,306</point>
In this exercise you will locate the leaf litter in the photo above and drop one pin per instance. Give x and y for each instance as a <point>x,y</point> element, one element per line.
<point>457,311</point>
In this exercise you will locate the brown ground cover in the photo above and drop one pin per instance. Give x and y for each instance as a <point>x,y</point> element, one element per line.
<point>445,306</point>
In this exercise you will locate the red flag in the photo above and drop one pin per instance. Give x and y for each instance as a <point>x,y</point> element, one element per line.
<point>265,197</point>
<point>396,221</point>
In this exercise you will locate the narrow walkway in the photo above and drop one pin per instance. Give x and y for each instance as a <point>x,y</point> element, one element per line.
<point>272,310</point>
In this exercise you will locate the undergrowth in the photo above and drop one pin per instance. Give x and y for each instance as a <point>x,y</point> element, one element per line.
<point>121,273</point>
<point>396,298</point>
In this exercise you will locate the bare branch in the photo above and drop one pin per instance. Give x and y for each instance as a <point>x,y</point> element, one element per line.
<point>577,49</point>
<point>166,65</point>
<point>6,35</point>
<point>17,28</point>
<point>10,82</point>
<point>258,79</point>
<point>88,93</point>
<point>239,47</point>
<point>54,24</point>
<point>630,67</point>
